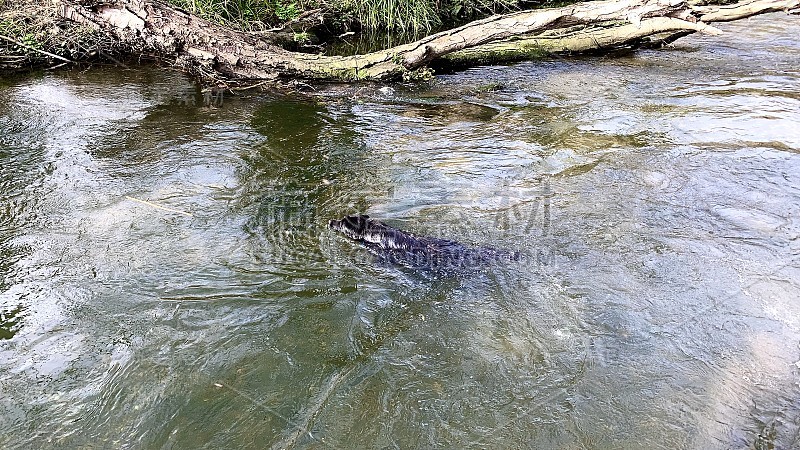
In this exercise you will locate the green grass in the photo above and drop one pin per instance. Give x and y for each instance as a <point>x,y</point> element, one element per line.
<point>248,15</point>
<point>420,15</point>
<point>394,15</point>
<point>373,15</point>
<point>469,9</point>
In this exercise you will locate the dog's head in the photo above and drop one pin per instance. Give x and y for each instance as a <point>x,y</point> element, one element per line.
<point>354,227</point>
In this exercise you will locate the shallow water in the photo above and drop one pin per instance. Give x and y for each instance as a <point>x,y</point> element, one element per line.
<point>654,195</point>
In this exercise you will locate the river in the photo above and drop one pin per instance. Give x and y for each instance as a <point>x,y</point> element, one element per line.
<point>167,279</point>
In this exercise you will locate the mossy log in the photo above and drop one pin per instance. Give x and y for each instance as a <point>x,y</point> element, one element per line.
<point>228,56</point>
<point>584,39</point>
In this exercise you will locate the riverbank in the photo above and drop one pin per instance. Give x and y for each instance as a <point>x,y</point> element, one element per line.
<point>233,54</point>
<point>32,34</point>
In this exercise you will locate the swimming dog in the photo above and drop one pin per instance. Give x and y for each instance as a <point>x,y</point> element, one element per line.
<point>416,251</point>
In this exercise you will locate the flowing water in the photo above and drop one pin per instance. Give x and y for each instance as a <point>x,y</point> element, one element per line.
<point>167,279</point>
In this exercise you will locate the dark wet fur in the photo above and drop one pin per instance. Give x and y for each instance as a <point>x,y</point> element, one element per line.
<point>404,248</point>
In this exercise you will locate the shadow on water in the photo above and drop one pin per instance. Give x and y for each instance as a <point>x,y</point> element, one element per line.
<point>362,43</point>
<point>309,164</point>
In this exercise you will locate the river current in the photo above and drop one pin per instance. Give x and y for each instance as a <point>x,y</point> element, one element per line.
<point>167,279</point>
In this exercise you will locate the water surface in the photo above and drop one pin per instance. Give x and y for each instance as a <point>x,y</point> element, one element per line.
<point>167,280</point>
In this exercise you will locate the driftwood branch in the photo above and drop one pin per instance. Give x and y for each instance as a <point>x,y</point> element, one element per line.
<point>600,36</point>
<point>216,52</point>
<point>581,40</point>
<point>48,54</point>
<point>743,9</point>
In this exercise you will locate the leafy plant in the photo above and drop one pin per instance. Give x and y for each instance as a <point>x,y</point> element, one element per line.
<point>302,38</point>
<point>286,11</point>
<point>31,41</point>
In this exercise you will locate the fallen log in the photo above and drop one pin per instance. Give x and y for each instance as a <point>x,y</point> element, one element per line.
<point>735,11</point>
<point>612,35</point>
<point>226,56</point>
<point>580,40</point>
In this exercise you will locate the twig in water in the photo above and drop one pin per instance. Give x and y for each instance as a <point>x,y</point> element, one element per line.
<point>245,88</point>
<point>57,66</point>
<point>158,206</point>
<point>114,60</point>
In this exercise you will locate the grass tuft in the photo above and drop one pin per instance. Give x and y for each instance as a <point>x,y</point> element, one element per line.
<point>247,15</point>
<point>407,16</point>
<point>419,15</point>
<point>394,15</point>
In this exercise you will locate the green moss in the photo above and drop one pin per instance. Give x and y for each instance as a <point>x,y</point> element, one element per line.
<point>496,55</point>
<point>422,74</point>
